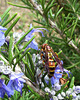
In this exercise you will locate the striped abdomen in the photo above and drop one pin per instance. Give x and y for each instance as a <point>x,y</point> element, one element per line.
<point>51,68</point>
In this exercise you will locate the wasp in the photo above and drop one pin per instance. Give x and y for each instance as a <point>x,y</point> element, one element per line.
<point>47,55</point>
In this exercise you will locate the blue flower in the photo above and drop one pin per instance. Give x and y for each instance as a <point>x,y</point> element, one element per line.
<point>16,82</point>
<point>0,19</point>
<point>2,28</point>
<point>36,30</point>
<point>2,37</point>
<point>77,89</point>
<point>68,72</point>
<point>57,87</point>
<point>58,74</point>
<point>56,77</point>
<point>33,44</point>
<point>51,98</point>
<point>59,96</point>
<point>74,95</point>
<point>4,89</point>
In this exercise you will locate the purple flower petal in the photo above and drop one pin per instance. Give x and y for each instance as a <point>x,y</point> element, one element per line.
<point>36,30</point>
<point>27,38</point>
<point>58,68</point>
<point>56,78</point>
<point>65,70</point>
<point>30,26</point>
<point>68,72</point>
<point>57,87</point>
<point>0,19</point>
<point>2,38</point>
<point>16,82</point>
<point>2,28</point>
<point>77,89</point>
<point>74,95</point>
<point>47,81</point>
<point>33,45</point>
<point>14,75</point>
<point>43,29</point>
<point>51,98</point>
<point>4,89</point>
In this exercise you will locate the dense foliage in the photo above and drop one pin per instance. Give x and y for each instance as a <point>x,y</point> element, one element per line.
<point>20,60</point>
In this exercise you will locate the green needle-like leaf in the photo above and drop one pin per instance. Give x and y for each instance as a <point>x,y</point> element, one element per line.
<point>74,27</point>
<point>72,82</point>
<point>33,91</point>
<point>29,70</point>
<point>4,56</point>
<point>69,27</point>
<point>54,43</point>
<point>28,4</point>
<point>46,42</point>
<point>59,11</point>
<point>21,57</point>
<point>43,2</point>
<point>23,36</point>
<point>67,18</point>
<point>59,52</point>
<point>5,19</point>
<point>4,77</point>
<point>10,47</point>
<point>46,10</point>
<point>62,88</point>
<point>40,22</point>
<point>18,5</point>
<point>12,25</point>
<point>70,67</point>
<point>17,54</point>
<point>31,62</point>
<point>28,42</point>
<point>49,3</point>
<point>5,12</point>
<point>9,20</point>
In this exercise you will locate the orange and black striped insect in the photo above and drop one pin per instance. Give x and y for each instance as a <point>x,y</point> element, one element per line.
<point>47,55</point>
